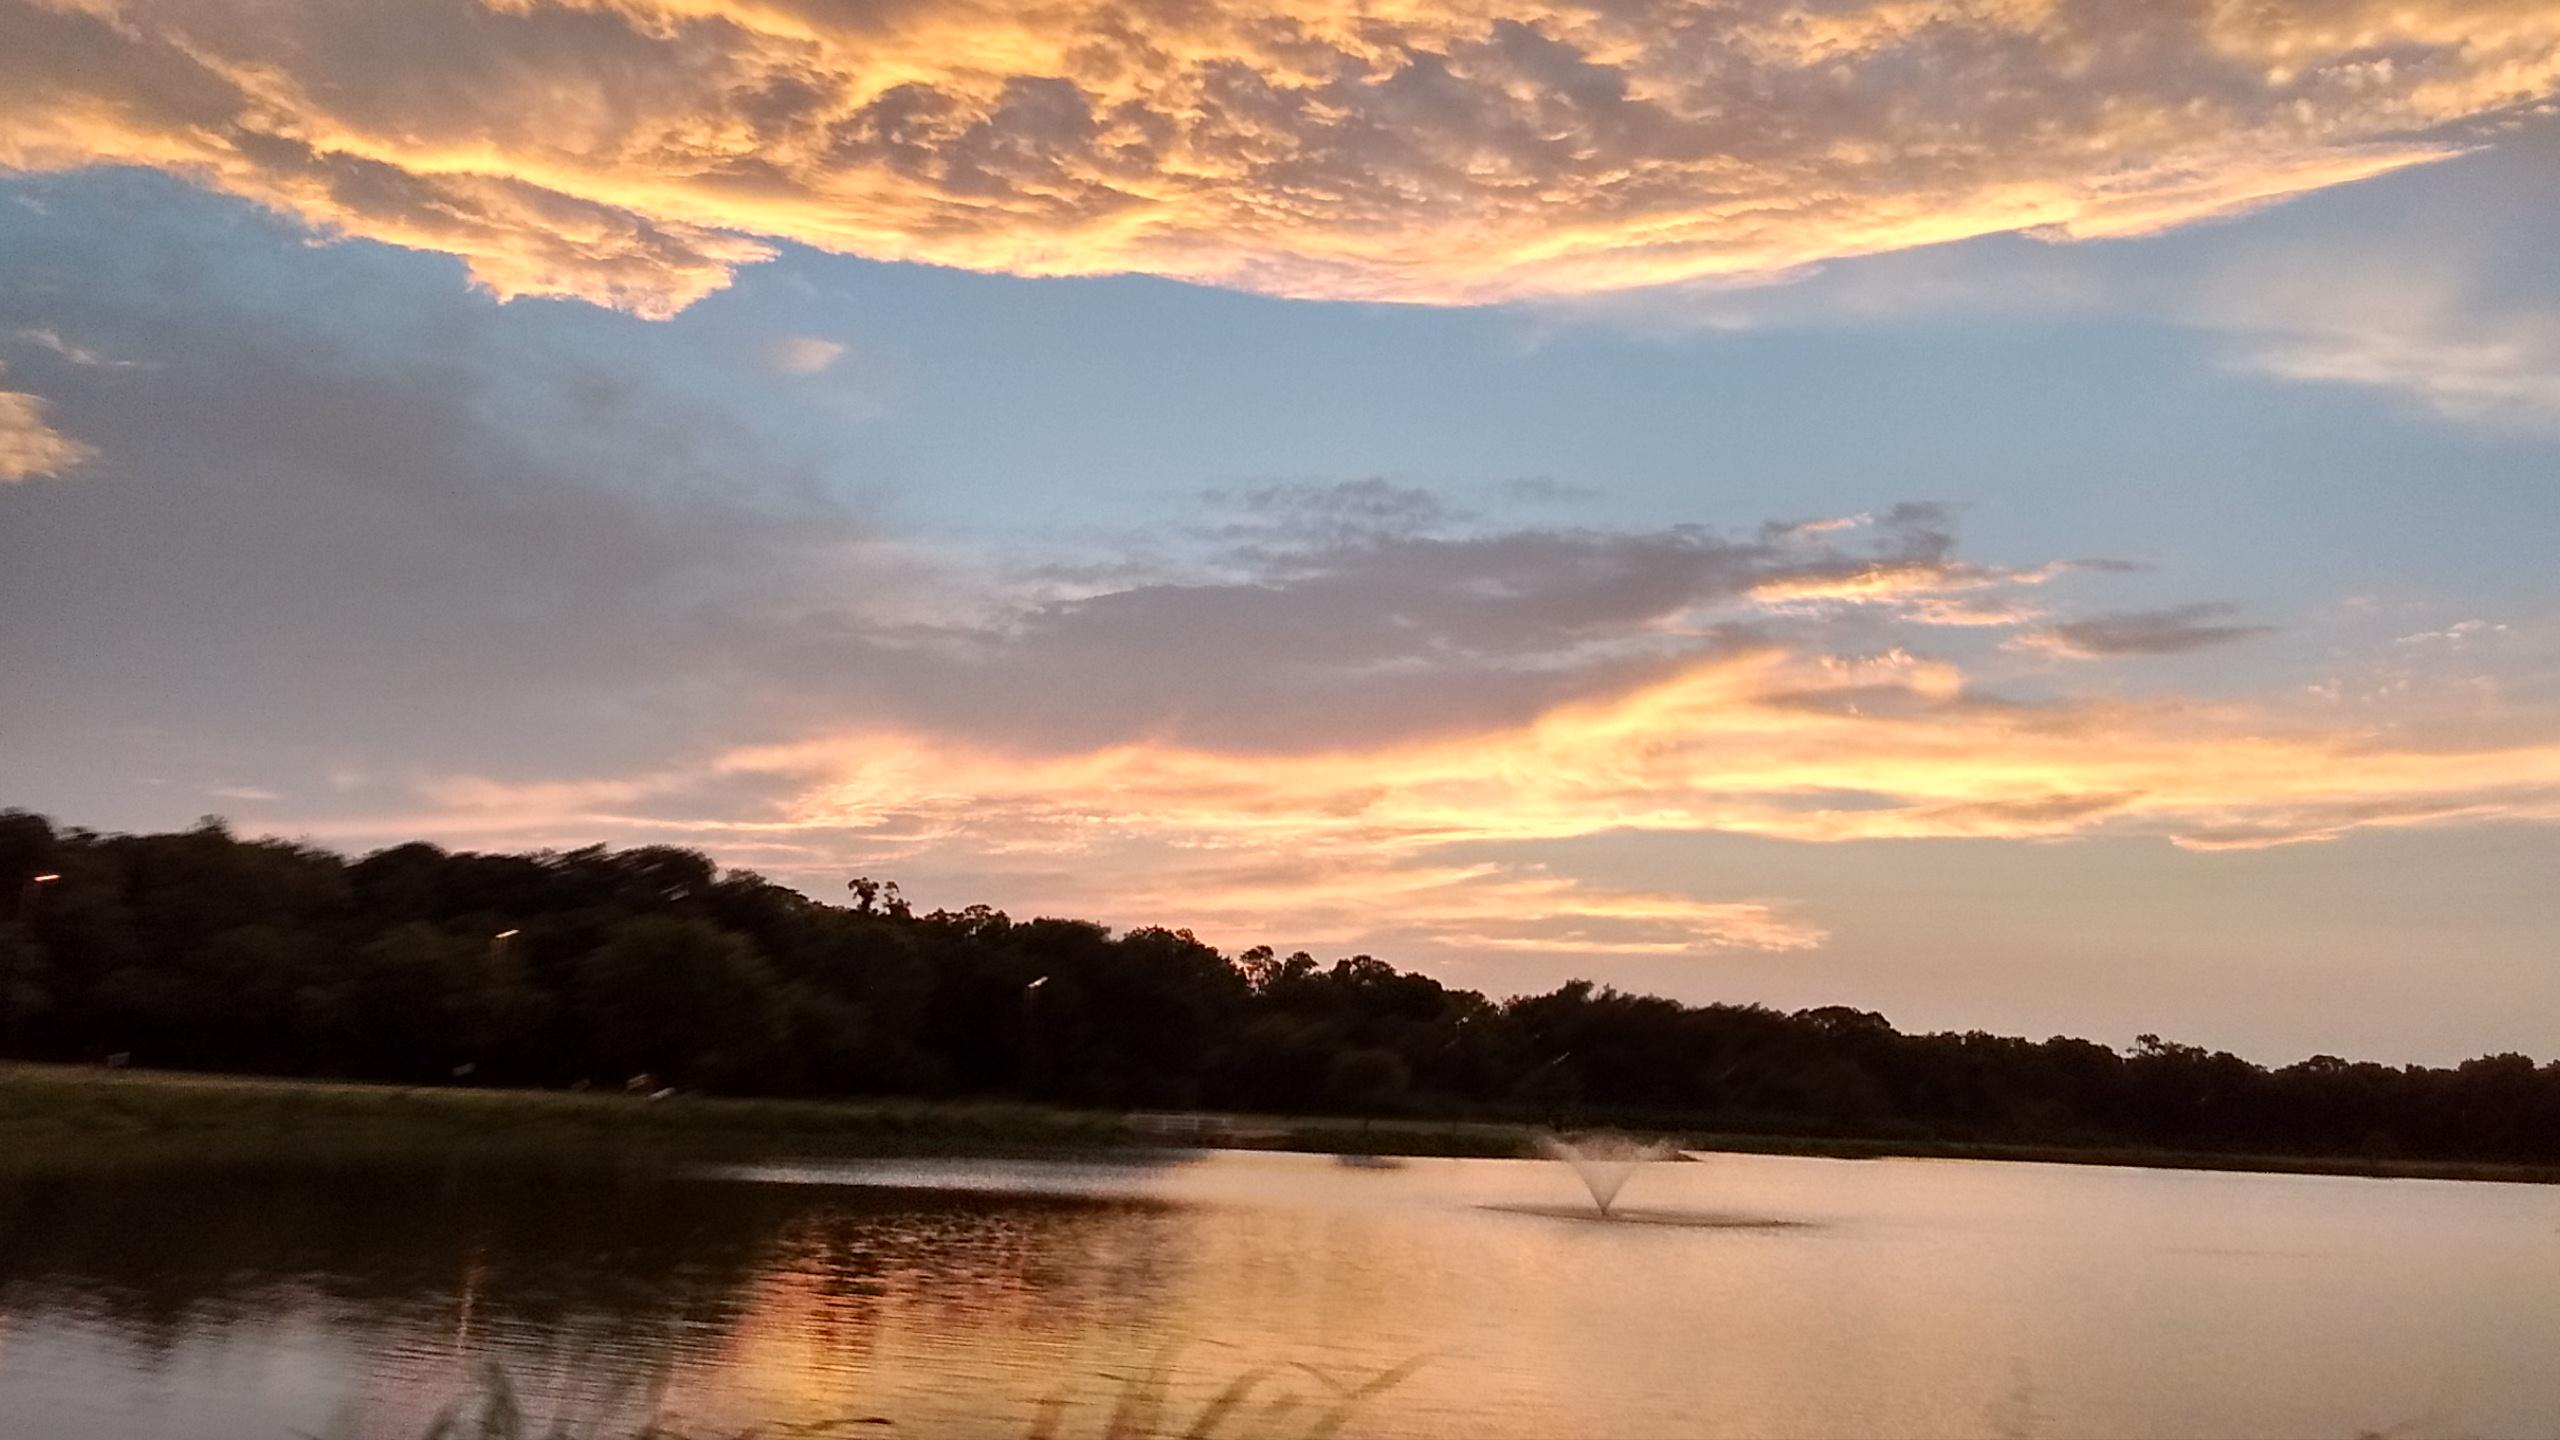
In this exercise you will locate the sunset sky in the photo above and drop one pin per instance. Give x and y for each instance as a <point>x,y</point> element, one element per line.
<point>2032,515</point>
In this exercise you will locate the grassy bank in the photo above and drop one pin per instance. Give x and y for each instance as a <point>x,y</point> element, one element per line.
<point>52,1115</point>
<point>2384,1169</point>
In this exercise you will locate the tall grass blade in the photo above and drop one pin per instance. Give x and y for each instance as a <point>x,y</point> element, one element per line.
<point>1140,1409</point>
<point>1215,1413</point>
<point>1330,1423</point>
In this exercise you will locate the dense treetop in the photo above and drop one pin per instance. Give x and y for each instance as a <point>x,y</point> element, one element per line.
<point>198,949</point>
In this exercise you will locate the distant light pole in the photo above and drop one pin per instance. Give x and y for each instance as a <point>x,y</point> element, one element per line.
<point>28,895</point>
<point>1031,1067</point>
<point>497,948</point>
<point>1534,1071</point>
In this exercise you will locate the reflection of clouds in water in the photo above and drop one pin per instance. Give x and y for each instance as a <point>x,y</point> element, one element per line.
<point>248,1301</point>
<point>595,1289</point>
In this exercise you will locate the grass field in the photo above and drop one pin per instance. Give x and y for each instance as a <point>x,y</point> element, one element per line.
<point>52,1114</point>
<point>56,1115</point>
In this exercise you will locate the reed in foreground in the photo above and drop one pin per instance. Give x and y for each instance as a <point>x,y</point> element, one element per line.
<point>1293,1402</point>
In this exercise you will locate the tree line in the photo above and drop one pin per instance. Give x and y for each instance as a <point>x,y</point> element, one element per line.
<point>198,949</point>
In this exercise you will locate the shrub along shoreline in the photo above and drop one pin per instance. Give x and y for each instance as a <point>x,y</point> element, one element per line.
<point>65,1116</point>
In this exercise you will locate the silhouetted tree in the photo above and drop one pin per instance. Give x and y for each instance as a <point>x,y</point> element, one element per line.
<point>201,949</point>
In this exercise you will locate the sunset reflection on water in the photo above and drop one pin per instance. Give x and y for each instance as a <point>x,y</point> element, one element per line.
<point>963,1298</point>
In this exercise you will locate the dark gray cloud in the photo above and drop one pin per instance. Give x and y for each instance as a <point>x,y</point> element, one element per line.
<point>1298,634</point>
<point>1295,514</point>
<point>2177,630</point>
<point>1352,614</point>
<point>305,548</point>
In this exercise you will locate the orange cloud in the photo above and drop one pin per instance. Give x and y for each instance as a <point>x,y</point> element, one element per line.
<point>30,447</point>
<point>1352,844</point>
<point>1767,744</point>
<point>635,153</point>
<point>1926,591</point>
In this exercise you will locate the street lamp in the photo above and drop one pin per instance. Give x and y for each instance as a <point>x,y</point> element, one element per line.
<point>28,893</point>
<point>1032,1068</point>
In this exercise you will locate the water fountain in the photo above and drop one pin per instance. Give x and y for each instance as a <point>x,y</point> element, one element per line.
<point>1605,1162</point>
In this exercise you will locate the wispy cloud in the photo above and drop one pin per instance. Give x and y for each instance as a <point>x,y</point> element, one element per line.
<point>803,354</point>
<point>45,337</point>
<point>2433,296</point>
<point>2458,634</point>
<point>2457,371</point>
<point>2173,631</point>
<point>636,152</point>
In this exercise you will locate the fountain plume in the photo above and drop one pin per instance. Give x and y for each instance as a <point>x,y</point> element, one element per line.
<point>1604,1162</point>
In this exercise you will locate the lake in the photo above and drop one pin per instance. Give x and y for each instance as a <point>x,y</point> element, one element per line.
<point>996,1298</point>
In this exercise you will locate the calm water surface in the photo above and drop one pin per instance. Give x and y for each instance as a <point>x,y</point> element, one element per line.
<point>1911,1298</point>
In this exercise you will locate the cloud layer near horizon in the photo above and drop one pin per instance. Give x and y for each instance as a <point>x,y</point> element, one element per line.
<point>636,152</point>
<point>1352,842</point>
<point>1358,705</point>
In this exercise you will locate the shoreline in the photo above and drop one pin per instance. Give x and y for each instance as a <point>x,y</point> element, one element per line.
<point>63,1115</point>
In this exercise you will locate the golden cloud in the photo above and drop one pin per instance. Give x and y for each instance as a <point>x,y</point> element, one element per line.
<point>1388,840</point>
<point>29,445</point>
<point>636,152</point>
<point>1768,743</point>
